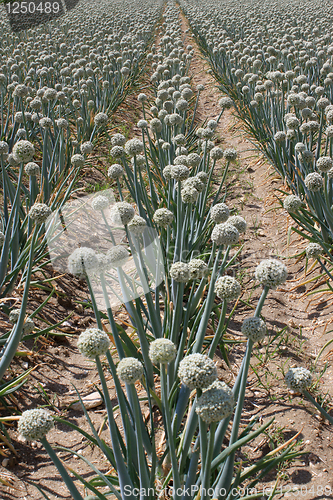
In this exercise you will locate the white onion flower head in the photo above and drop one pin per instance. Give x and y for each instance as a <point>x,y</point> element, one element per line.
<point>292,203</point>
<point>230,154</point>
<point>31,169</point>
<point>219,213</point>
<point>193,160</point>
<point>4,148</point>
<point>226,103</point>
<point>167,172</point>
<point>35,424</point>
<point>239,223</point>
<point>133,147</point>
<point>216,153</point>
<point>198,269</point>
<point>93,342</point>
<point>162,351</point>
<point>14,315</point>
<point>23,151</point>
<point>100,202</point>
<point>117,256</point>
<point>298,379</point>
<point>180,272</point>
<point>142,98</point>
<point>300,147</point>
<point>163,217</point>
<point>115,171</point>
<point>77,160</point>
<point>179,172</point>
<point>28,326</point>
<point>314,181</point>
<point>189,194</point>
<point>254,328</point>
<point>271,273</point>
<point>142,124</point>
<point>82,262</point>
<point>86,147</point>
<point>129,370</point>
<point>227,288</point>
<point>137,225</point>
<point>215,403</point>
<point>225,234</point>
<point>324,163</point>
<point>140,161</point>
<point>39,212</point>
<point>313,251</point>
<point>118,140</point>
<point>101,119</point>
<point>122,213</point>
<point>117,152</point>
<point>197,371</point>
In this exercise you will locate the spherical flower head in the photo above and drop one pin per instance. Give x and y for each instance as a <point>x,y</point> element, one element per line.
<point>180,272</point>
<point>117,152</point>
<point>101,119</point>
<point>226,103</point>
<point>115,171</point>
<point>181,160</point>
<point>118,140</point>
<point>202,176</point>
<point>300,147</point>
<point>140,161</point>
<point>254,328</point>
<point>62,123</point>
<point>292,203</point>
<point>227,288</point>
<point>28,326</point>
<point>200,87</point>
<point>137,225</point>
<point>324,163</point>
<point>280,137</point>
<point>189,194</point>
<point>100,202</point>
<point>162,351</point>
<point>86,147</point>
<point>215,403</point>
<point>129,370</point>
<point>4,148</point>
<point>167,172</point>
<point>77,160</point>
<point>298,379</point>
<point>198,269</point>
<point>314,181</point>
<point>156,126</point>
<point>93,342</point>
<point>179,172</point>
<point>133,147</point>
<point>117,256</point>
<point>39,212</point>
<point>216,153</point>
<point>142,98</point>
<point>142,124</point>
<point>122,213</point>
<point>35,424</point>
<point>239,223</point>
<point>194,182</point>
<point>14,315</point>
<point>45,122</point>
<point>31,169</point>
<point>219,213</point>
<point>179,140</point>
<point>225,234</point>
<point>197,371</point>
<point>163,217</point>
<point>82,262</point>
<point>193,160</point>
<point>230,154</point>
<point>271,273</point>
<point>23,151</point>
<point>313,251</point>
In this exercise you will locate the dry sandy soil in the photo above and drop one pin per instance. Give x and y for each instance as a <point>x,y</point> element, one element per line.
<point>252,185</point>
